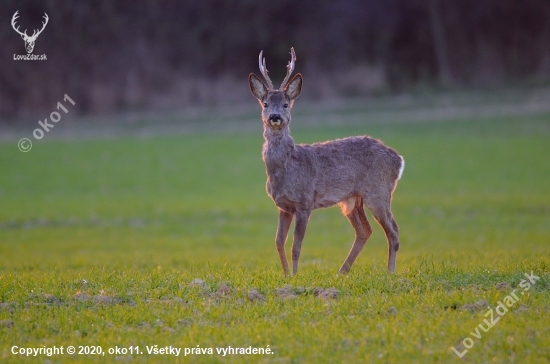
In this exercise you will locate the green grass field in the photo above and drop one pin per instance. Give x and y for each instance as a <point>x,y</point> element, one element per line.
<point>169,240</point>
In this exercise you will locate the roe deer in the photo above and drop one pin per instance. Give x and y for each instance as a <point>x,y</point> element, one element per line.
<point>300,178</point>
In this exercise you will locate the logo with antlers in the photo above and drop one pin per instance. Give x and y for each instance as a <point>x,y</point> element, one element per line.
<point>29,41</point>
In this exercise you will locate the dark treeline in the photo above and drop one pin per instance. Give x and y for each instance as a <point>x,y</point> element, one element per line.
<point>115,55</point>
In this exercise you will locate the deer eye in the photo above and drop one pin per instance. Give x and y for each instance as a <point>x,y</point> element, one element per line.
<point>265,104</point>
<point>285,106</point>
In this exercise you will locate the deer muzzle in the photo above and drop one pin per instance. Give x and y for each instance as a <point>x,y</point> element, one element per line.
<point>275,119</point>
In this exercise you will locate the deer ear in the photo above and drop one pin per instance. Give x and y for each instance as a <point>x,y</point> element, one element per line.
<point>294,87</point>
<point>257,87</point>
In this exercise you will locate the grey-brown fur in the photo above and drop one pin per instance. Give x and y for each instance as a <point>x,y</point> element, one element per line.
<point>351,172</point>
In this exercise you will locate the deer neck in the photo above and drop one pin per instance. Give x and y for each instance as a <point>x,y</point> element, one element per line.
<point>277,150</point>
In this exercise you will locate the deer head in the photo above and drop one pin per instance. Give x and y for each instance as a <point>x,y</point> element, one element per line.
<point>29,41</point>
<point>276,104</point>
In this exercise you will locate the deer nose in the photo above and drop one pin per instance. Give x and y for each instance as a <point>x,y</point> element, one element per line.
<point>275,117</point>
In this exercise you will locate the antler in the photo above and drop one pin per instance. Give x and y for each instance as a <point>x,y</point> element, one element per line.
<point>35,34</point>
<point>13,19</point>
<point>289,68</point>
<point>264,71</point>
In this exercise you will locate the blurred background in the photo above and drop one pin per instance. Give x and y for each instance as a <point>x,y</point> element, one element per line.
<point>119,56</point>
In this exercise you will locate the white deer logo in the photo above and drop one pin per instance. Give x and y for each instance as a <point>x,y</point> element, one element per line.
<point>29,41</point>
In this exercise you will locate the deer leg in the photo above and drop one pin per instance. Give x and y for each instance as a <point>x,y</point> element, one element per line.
<point>302,218</point>
<point>392,236</point>
<point>383,215</point>
<point>285,219</point>
<point>363,231</point>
